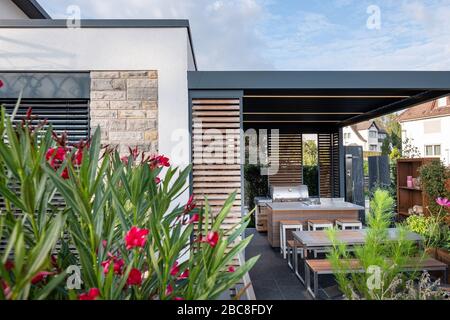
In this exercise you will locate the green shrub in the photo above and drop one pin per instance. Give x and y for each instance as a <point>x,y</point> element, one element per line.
<point>130,236</point>
<point>378,252</point>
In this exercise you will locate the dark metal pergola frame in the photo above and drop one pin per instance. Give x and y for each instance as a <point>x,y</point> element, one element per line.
<point>319,101</point>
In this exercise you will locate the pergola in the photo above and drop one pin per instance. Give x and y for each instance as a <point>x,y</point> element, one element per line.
<point>295,102</point>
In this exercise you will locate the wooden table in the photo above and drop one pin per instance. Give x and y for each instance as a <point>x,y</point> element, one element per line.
<point>310,240</point>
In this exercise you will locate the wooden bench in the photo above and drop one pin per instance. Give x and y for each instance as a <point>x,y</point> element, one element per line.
<point>323,266</point>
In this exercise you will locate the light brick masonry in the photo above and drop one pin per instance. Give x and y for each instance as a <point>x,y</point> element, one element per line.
<point>124,104</point>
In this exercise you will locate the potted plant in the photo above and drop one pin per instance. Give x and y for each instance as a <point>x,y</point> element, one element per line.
<point>435,178</point>
<point>435,231</point>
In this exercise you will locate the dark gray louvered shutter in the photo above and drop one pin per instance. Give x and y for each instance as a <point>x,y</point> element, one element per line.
<point>71,116</point>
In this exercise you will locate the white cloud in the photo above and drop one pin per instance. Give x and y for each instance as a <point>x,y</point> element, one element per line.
<point>244,34</point>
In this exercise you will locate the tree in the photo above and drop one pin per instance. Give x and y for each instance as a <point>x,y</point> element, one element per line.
<point>310,153</point>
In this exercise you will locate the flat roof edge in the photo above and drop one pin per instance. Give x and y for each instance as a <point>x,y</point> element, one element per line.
<point>103,23</point>
<point>239,80</point>
<point>97,23</point>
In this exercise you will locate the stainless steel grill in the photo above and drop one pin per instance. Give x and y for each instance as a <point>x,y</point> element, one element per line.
<point>289,193</point>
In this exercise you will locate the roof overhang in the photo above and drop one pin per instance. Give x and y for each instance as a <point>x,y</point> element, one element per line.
<point>32,9</point>
<point>323,98</point>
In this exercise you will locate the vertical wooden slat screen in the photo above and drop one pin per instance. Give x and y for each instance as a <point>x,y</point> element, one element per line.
<point>217,154</point>
<point>328,153</point>
<point>335,165</point>
<point>290,156</point>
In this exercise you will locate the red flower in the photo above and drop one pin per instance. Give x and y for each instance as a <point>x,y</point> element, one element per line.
<point>78,157</point>
<point>1,83</point>
<point>41,276</point>
<point>212,238</point>
<point>444,202</point>
<point>194,218</point>
<point>65,174</point>
<point>92,294</point>
<point>6,289</point>
<point>190,205</point>
<point>117,265</point>
<point>9,265</point>
<point>136,237</point>
<point>231,269</point>
<point>169,290</point>
<point>157,180</point>
<point>134,278</point>
<point>104,243</point>
<point>56,155</point>
<point>184,275</point>
<point>124,160</point>
<point>178,298</point>
<point>159,161</point>
<point>175,269</point>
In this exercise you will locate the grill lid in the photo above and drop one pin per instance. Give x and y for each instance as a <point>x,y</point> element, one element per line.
<point>289,193</point>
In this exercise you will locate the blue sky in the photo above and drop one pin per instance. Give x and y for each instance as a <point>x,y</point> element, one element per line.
<point>297,34</point>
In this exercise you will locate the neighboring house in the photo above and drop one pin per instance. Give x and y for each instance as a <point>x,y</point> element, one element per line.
<point>368,134</point>
<point>427,127</point>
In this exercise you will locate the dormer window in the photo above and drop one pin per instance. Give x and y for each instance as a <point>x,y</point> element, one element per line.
<point>442,102</point>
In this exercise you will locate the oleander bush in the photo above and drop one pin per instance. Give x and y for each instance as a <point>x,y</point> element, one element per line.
<point>80,222</point>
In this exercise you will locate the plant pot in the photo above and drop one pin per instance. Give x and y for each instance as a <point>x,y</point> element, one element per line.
<point>443,256</point>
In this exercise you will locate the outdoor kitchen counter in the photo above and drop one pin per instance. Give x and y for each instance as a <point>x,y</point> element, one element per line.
<point>325,205</point>
<point>329,209</point>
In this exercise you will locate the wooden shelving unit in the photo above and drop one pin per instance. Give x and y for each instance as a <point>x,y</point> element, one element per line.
<point>409,197</point>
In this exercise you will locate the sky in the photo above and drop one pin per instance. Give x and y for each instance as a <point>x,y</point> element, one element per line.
<point>296,34</point>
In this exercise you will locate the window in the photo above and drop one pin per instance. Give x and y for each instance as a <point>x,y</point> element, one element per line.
<point>347,135</point>
<point>433,150</point>
<point>373,134</point>
<point>373,147</point>
<point>442,102</point>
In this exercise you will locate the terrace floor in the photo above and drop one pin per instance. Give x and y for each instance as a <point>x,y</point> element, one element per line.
<point>272,279</point>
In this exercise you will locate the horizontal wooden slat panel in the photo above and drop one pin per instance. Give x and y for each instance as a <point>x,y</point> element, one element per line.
<point>216,151</point>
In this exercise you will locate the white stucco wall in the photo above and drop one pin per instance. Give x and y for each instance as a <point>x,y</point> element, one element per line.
<point>8,10</point>
<point>415,130</point>
<point>161,49</point>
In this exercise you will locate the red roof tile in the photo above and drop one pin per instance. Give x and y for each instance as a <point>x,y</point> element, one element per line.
<point>425,110</point>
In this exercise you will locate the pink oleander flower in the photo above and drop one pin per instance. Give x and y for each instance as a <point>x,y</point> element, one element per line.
<point>190,205</point>
<point>169,290</point>
<point>92,294</point>
<point>134,278</point>
<point>231,269</point>
<point>136,237</point>
<point>444,202</point>
<point>56,155</point>
<point>195,218</point>
<point>175,269</point>
<point>1,83</point>
<point>40,276</point>
<point>159,161</point>
<point>117,265</point>
<point>212,238</point>
<point>178,298</point>
<point>9,265</point>
<point>157,180</point>
<point>184,275</point>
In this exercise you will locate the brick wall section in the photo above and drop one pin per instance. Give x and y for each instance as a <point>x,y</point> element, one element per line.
<point>125,106</point>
